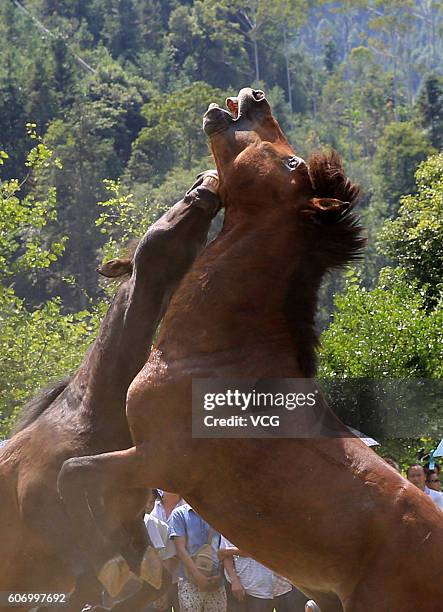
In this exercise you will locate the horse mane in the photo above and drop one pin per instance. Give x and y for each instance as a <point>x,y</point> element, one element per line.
<point>332,239</point>
<point>38,404</point>
<point>340,235</point>
<point>328,177</point>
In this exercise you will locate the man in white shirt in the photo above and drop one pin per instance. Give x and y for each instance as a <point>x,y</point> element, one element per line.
<point>165,503</point>
<point>253,586</point>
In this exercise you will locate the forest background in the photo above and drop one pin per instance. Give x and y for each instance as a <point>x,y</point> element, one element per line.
<point>99,133</point>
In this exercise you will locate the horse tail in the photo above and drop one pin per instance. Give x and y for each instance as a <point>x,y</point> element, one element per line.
<point>37,405</point>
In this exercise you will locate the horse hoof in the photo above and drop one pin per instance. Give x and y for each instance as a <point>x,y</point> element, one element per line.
<point>114,575</point>
<point>151,568</point>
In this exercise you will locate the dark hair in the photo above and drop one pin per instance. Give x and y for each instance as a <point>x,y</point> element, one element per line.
<point>430,473</point>
<point>435,469</point>
<point>392,462</point>
<point>38,404</point>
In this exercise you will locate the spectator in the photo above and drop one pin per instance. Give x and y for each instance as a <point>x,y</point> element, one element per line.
<point>159,532</point>
<point>392,462</point>
<point>200,588</point>
<point>250,583</point>
<point>416,475</point>
<point>435,467</point>
<point>165,503</point>
<point>433,480</point>
<point>252,587</point>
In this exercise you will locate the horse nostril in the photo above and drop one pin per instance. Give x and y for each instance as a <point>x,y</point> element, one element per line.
<point>258,94</point>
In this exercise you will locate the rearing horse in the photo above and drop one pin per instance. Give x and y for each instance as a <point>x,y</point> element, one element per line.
<point>327,513</point>
<point>85,415</point>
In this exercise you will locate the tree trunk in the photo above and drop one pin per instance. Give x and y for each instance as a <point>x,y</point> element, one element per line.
<point>288,72</point>
<point>257,65</point>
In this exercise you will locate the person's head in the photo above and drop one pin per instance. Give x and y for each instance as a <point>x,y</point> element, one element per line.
<point>392,463</point>
<point>435,468</point>
<point>151,501</point>
<point>433,480</point>
<point>416,475</point>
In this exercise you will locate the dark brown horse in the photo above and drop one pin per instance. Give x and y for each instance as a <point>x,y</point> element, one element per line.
<point>85,415</point>
<point>325,512</point>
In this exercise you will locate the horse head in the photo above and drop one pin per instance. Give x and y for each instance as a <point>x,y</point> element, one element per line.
<point>261,173</point>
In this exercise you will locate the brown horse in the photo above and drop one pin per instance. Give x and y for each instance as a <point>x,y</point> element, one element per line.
<point>85,415</point>
<point>327,513</point>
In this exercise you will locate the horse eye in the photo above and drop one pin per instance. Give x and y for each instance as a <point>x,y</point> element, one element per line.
<point>294,162</point>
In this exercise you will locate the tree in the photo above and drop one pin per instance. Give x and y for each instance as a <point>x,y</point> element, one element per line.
<point>330,56</point>
<point>38,346</point>
<point>414,239</point>
<point>41,104</point>
<point>63,71</point>
<point>386,332</point>
<point>430,108</point>
<point>87,159</point>
<point>206,46</point>
<point>22,242</point>
<point>42,343</point>
<point>401,148</point>
<point>172,134</point>
<point>114,100</point>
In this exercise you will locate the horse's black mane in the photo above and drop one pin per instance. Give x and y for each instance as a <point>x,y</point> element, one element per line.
<point>334,241</point>
<point>37,405</point>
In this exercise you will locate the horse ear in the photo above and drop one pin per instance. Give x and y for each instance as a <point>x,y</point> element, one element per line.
<point>326,210</point>
<point>115,268</point>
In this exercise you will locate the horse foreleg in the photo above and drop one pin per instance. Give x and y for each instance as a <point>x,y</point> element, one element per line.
<point>84,479</point>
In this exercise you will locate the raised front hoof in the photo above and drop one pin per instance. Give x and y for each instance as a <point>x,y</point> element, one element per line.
<point>114,575</point>
<point>151,568</point>
<point>209,180</point>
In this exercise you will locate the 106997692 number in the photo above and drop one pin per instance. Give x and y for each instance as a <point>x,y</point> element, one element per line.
<point>17,598</point>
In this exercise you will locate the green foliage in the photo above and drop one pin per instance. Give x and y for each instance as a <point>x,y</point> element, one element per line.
<point>430,107</point>
<point>401,148</point>
<point>38,346</point>
<point>173,134</point>
<point>406,451</point>
<point>414,239</point>
<point>205,46</point>
<point>126,216</point>
<point>383,333</point>
<point>121,220</point>
<point>22,243</point>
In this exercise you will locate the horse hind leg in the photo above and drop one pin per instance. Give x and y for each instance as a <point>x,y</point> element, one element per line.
<point>325,602</point>
<point>80,483</point>
<point>87,590</point>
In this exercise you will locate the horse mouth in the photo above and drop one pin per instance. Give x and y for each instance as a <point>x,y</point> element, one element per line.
<point>248,101</point>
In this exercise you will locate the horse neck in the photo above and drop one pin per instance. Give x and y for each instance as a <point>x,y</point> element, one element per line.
<point>244,289</point>
<point>122,345</point>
